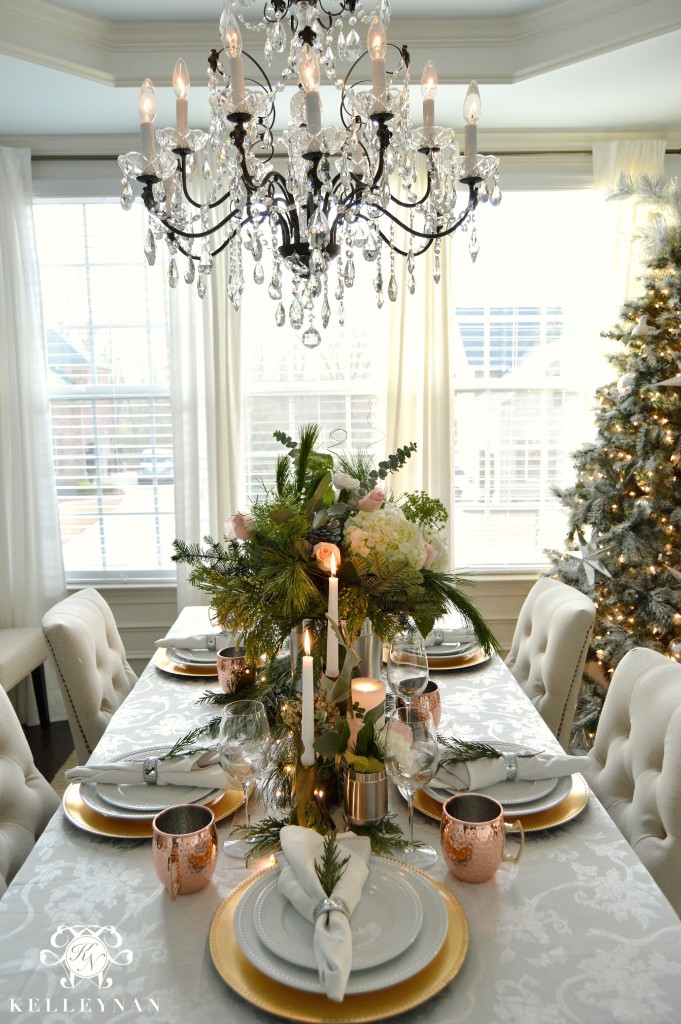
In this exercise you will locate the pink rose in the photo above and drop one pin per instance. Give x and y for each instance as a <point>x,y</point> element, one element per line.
<point>239,527</point>
<point>430,555</point>
<point>324,553</point>
<point>372,501</point>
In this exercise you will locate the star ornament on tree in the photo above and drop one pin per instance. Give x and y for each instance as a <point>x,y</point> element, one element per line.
<point>590,554</point>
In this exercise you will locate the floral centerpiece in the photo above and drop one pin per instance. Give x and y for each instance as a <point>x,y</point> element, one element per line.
<point>389,553</point>
<point>332,546</point>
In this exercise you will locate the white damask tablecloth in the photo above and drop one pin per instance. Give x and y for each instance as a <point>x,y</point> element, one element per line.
<point>578,932</point>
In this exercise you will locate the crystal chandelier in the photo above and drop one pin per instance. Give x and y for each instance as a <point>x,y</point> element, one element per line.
<point>348,191</point>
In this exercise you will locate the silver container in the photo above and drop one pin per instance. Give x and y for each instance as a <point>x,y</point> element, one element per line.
<point>366,797</point>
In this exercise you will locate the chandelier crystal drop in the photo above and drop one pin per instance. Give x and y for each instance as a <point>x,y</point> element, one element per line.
<point>350,199</point>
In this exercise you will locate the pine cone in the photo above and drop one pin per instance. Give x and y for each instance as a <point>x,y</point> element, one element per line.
<point>330,533</point>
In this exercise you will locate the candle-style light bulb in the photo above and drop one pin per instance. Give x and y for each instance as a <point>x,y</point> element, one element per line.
<point>181,80</point>
<point>376,40</point>
<point>231,36</point>
<point>428,90</point>
<point>471,105</point>
<point>429,81</point>
<point>181,87</point>
<point>471,116</point>
<point>147,102</point>
<point>146,106</point>
<point>308,69</point>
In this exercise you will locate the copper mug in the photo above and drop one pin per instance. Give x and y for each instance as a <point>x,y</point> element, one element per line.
<point>184,848</point>
<point>429,700</point>
<point>232,666</point>
<point>473,836</point>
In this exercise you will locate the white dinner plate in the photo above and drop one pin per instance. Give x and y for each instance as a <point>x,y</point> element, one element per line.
<point>559,790</point>
<point>387,920</point>
<point>193,656</point>
<point>149,798</point>
<point>418,955</point>
<point>521,791</point>
<point>92,799</point>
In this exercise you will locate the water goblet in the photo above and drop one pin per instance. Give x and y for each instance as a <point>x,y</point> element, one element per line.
<point>407,665</point>
<point>243,745</point>
<point>411,759</point>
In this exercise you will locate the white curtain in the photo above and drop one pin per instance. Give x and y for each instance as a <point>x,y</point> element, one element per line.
<point>419,403</point>
<point>31,567</point>
<point>206,404</point>
<point>633,158</point>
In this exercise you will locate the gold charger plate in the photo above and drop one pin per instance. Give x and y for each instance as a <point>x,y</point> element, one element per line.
<point>459,661</point>
<point>83,817</point>
<point>256,988</point>
<point>162,661</point>
<point>568,808</point>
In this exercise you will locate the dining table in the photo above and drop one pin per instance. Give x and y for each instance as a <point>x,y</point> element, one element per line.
<point>577,931</point>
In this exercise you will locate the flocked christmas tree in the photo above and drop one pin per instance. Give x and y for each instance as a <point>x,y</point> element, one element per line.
<point>624,537</point>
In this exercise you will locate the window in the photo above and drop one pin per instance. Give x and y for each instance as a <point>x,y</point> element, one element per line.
<point>527,357</point>
<point>107,358</point>
<point>338,384</point>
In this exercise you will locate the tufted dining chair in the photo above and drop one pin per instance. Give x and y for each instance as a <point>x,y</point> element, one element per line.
<point>549,649</point>
<point>635,768</point>
<point>27,801</point>
<point>93,672</point>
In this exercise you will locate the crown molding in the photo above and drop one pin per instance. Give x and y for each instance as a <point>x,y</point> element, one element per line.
<point>499,50</point>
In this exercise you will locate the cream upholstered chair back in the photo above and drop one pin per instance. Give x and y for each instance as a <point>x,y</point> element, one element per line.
<point>27,801</point>
<point>93,672</point>
<point>635,768</point>
<point>549,649</point>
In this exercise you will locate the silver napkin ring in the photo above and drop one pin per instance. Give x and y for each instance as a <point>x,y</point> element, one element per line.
<point>438,636</point>
<point>511,766</point>
<point>211,642</point>
<point>150,771</point>
<point>328,904</point>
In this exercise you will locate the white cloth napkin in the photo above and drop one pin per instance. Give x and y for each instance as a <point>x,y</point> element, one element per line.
<point>487,771</point>
<point>197,642</point>
<point>201,769</point>
<point>299,883</point>
<point>441,637</point>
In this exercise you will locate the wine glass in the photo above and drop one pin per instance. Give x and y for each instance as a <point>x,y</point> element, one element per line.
<point>243,747</point>
<point>411,759</point>
<point>407,665</point>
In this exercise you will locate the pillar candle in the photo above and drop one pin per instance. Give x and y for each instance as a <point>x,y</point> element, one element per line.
<point>368,693</point>
<point>331,638</point>
<point>307,717</point>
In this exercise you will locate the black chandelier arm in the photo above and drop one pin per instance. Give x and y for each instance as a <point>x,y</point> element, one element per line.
<point>173,230</point>
<point>419,202</point>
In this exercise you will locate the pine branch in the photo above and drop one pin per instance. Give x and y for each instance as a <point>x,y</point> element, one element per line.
<point>183,747</point>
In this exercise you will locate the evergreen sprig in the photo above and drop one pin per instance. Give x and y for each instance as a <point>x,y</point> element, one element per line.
<point>185,745</point>
<point>332,868</point>
<point>465,750</point>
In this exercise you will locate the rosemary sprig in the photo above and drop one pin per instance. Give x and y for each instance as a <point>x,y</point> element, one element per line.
<point>263,834</point>
<point>184,744</point>
<point>332,868</point>
<point>387,838</point>
<point>465,750</point>
<point>472,750</point>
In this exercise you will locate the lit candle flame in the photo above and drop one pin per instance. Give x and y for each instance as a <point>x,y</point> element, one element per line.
<point>306,642</point>
<point>333,564</point>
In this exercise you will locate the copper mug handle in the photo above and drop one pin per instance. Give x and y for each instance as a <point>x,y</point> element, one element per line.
<point>516,826</point>
<point>173,868</point>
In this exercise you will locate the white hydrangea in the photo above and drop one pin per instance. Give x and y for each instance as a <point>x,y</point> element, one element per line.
<point>385,530</point>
